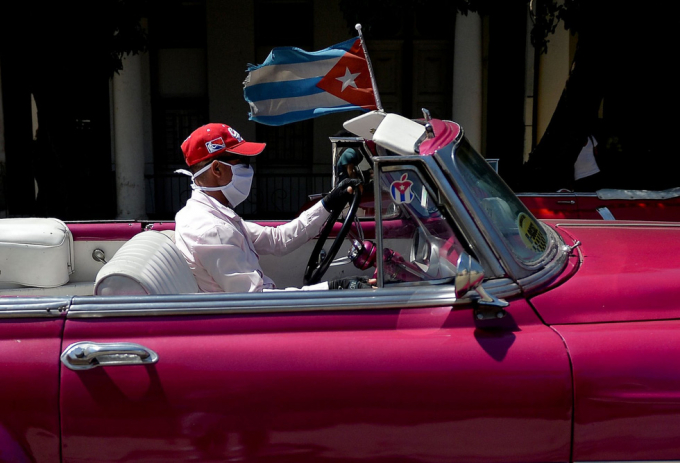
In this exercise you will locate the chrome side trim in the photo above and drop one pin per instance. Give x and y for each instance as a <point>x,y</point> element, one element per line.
<point>378,218</point>
<point>33,307</point>
<point>269,302</point>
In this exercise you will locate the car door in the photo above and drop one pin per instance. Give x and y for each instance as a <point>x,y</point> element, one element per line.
<point>30,342</point>
<point>399,374</point>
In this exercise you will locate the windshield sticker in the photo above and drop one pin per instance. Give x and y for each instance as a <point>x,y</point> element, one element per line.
<point>401,190</point>
<point>531,233</point>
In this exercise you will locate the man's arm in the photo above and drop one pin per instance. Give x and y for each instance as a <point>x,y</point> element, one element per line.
<point>288,237</point>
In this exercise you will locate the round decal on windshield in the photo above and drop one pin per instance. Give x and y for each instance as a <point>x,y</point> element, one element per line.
<point>401,190</point>
<point>531,233</point>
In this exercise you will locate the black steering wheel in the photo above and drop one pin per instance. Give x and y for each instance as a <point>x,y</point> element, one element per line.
<point>317,267</point>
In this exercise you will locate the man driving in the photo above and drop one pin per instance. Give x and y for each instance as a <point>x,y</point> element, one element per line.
<point>223,250</point>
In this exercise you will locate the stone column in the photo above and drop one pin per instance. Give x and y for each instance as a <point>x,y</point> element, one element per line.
<point>554,69</point>
<point>3,206</point>
<point>2,124</point>
<point>128,139</point>
<point>467,76</point>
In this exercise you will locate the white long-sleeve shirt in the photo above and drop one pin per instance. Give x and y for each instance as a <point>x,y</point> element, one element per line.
<point>223,251</point>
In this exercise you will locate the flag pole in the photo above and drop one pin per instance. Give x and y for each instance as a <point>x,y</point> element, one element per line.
<point>378,104</point>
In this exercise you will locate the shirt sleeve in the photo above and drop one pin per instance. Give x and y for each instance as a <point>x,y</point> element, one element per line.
<point>287,237</point>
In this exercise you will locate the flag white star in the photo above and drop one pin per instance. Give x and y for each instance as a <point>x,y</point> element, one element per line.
<point>348,79</point>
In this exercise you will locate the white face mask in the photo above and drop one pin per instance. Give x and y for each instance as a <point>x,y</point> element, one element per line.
<point>235,191</point>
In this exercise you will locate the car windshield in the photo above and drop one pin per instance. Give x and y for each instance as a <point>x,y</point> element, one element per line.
<point>524,235</point>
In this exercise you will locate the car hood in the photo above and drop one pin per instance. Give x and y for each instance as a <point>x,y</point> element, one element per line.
<point>629,271</point>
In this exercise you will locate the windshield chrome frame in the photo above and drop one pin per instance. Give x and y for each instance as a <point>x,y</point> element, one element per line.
<point>336,143</point>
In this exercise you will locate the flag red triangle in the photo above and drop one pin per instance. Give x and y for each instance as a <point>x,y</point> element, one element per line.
<point>351,72</point>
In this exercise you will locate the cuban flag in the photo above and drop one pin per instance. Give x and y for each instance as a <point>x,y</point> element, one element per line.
<point>293,85</point>
<point>401,190</point>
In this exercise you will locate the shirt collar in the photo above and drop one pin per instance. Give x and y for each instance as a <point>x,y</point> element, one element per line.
<point>203,198</point>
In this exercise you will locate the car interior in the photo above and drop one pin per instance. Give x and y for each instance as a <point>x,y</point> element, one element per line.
<point>48,257</point>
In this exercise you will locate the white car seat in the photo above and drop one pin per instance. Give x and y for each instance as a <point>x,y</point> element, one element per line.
<point>35,252</point>
<point>149,263</point>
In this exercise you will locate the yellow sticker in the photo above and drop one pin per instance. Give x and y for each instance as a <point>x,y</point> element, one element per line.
<point>531,233</point>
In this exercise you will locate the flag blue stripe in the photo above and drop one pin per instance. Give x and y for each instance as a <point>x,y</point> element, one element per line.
<point>284,89</point>
<point>292,55</point>
<point>291,88</point>
<point>296,116</point>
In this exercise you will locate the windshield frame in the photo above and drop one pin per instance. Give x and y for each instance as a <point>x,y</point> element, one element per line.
<point>454,167</point>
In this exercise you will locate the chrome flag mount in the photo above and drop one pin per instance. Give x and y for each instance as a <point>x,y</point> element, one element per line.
<point>293,85</point>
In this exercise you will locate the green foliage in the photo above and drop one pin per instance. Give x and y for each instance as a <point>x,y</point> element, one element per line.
<point>547,15</point>
<point>126,34</point>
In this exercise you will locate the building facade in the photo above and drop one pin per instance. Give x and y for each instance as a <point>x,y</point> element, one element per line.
<point>480,71</point>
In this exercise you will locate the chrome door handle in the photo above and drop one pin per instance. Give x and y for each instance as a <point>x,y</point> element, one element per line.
<point>85,355</point>
<point>566,202</point>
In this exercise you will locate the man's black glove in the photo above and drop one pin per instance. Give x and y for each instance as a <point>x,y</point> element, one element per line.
<point>349,283</point>
<point>339,196</point>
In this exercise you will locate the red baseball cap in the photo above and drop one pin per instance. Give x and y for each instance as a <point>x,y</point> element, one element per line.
<point>213,139</point>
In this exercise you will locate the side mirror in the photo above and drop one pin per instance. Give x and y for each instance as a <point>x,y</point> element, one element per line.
<point>470,275</point>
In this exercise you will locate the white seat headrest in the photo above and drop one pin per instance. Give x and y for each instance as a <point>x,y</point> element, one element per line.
<point>149,263</point>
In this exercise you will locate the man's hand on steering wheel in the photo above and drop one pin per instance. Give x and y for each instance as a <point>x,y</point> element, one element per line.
<point>340,195</point>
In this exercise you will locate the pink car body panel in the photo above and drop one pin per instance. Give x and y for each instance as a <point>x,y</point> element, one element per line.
<point>627,405</point>
<point>414,384</point>
<point>29,389</point>
<point>625,209</point>
<point>622,262</point>
<point>626,380</point>
<point>104,231</point>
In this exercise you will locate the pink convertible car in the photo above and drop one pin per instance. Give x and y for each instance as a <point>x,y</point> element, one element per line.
<point>492,336</point>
